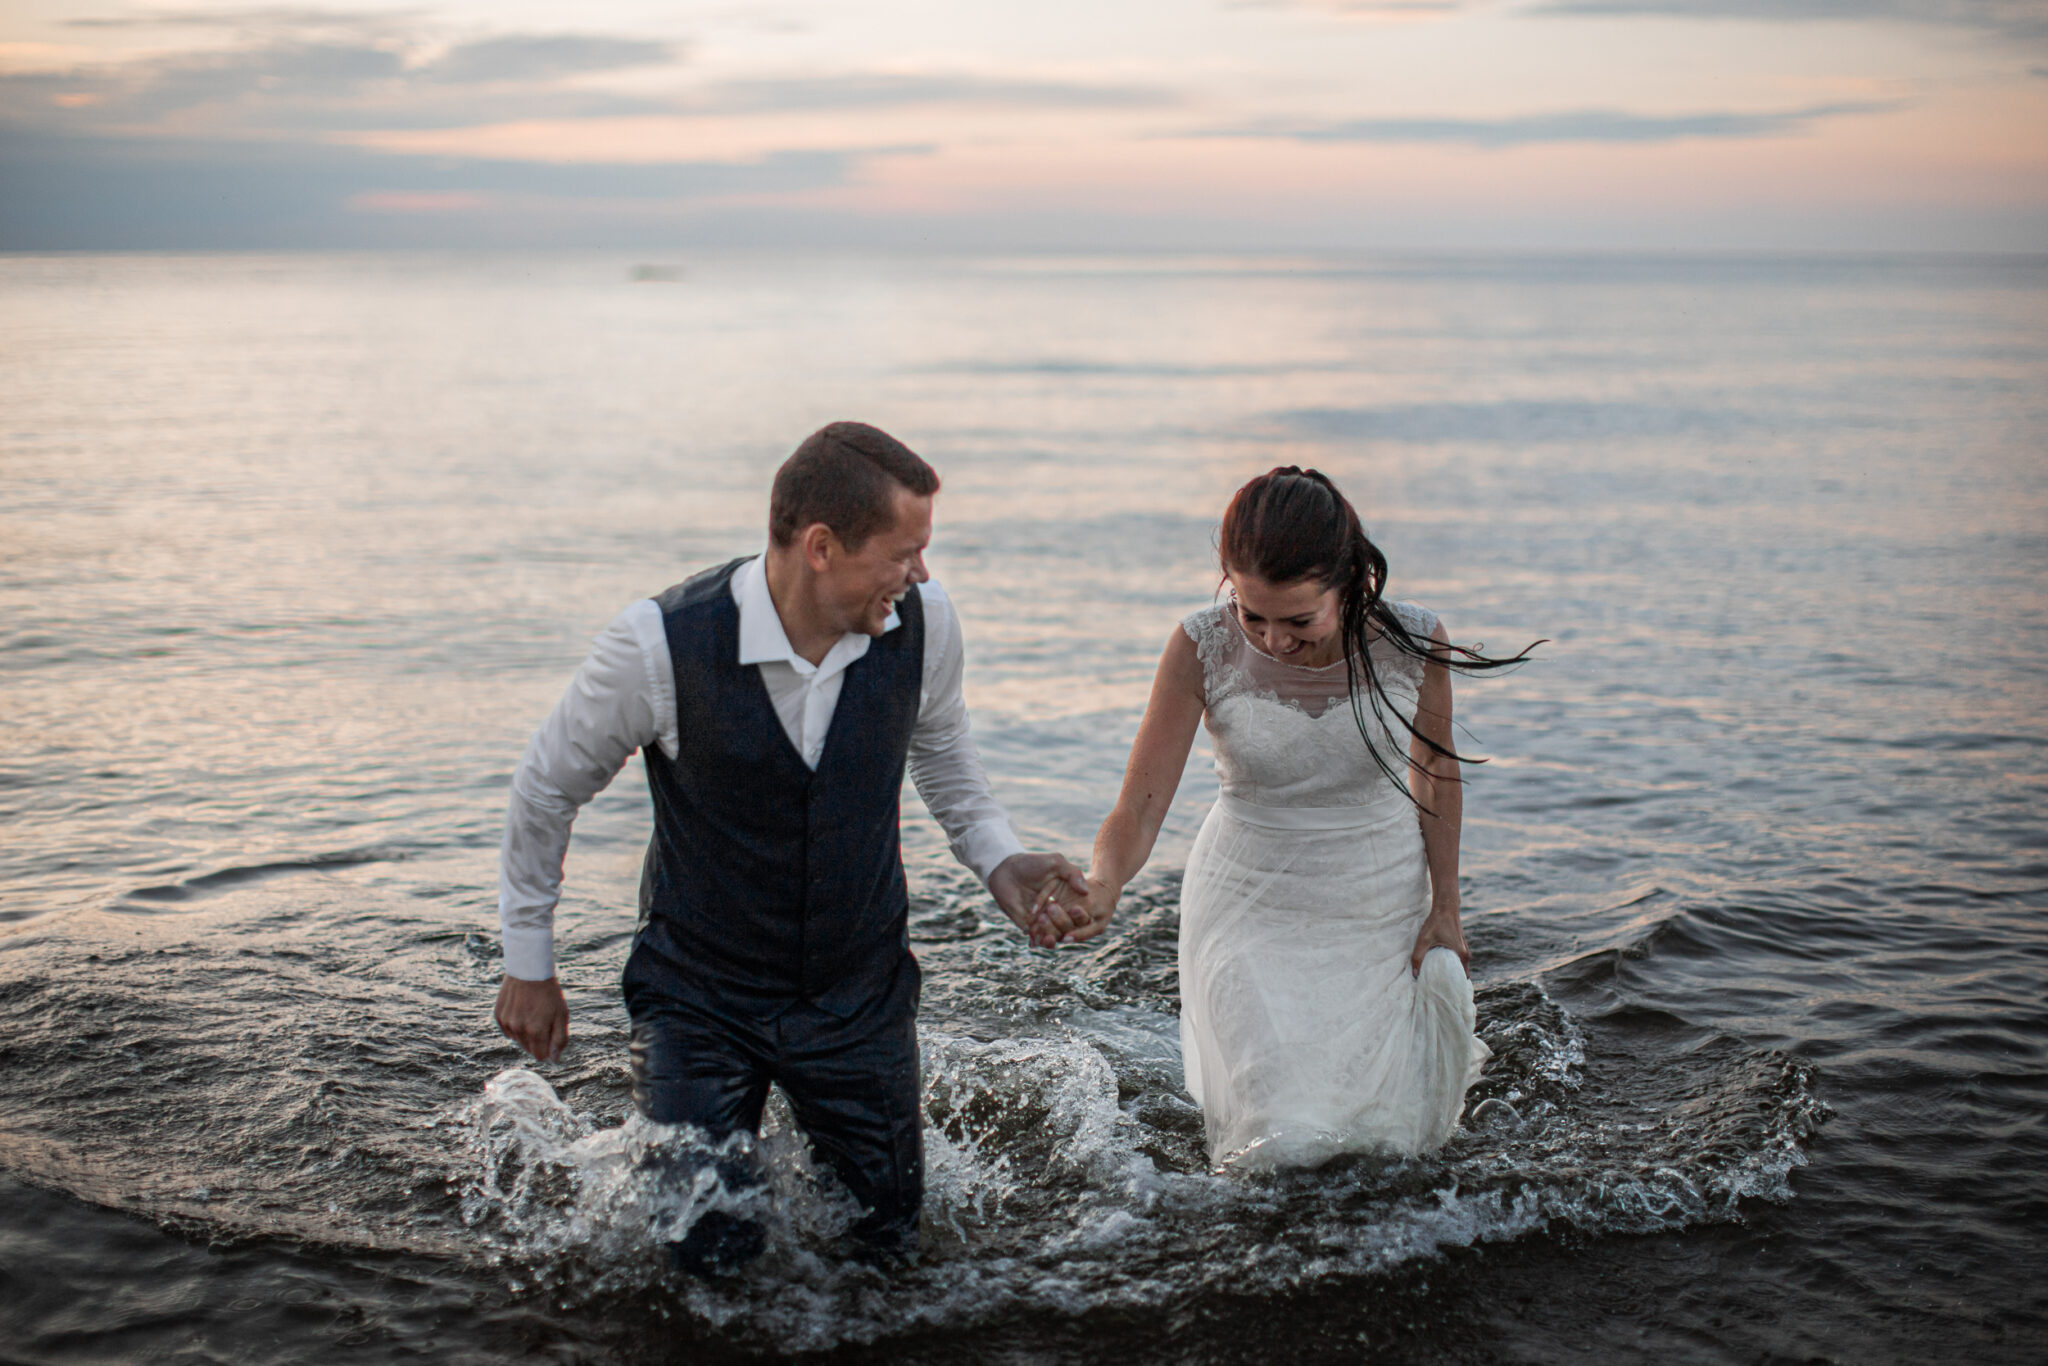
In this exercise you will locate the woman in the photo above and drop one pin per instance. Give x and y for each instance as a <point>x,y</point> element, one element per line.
<point>1324,1002</point>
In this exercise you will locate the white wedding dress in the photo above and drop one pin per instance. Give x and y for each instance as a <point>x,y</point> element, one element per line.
<point>1303,1032</point>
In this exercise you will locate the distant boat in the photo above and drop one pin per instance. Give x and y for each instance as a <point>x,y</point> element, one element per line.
<point>663,274</point>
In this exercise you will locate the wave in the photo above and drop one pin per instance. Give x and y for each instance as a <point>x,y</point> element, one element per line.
<point>1067,1176</point>
<point>208,884</point>
<point>1517,422</point>
<point>330,1079</point>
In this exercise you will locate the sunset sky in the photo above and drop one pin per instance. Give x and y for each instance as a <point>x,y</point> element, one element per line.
<point>1111,124</point>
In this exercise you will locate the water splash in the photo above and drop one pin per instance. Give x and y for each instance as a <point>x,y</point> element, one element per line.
<point>1066,1175</point>
<point>544,1187</point>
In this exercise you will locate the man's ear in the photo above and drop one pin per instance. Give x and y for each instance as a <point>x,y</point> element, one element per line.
<point>820,547</point>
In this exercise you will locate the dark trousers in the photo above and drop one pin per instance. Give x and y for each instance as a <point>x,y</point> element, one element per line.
<point>852,1083</point>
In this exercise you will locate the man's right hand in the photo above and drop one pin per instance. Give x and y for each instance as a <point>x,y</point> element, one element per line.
<point>535,1016</point>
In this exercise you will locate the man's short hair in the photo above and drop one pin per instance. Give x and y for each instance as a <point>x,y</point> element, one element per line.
<point>845,475</point>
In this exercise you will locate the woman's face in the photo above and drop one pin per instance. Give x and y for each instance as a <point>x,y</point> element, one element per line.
<point>1294,621</point>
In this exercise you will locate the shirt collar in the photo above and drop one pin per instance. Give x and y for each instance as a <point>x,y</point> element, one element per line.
<point>762,638</point>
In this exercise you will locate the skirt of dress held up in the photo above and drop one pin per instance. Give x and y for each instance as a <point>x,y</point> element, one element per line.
<point>1304,1033</point>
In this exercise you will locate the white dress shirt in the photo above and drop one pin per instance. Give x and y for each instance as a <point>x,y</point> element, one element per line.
<point>624,698</point>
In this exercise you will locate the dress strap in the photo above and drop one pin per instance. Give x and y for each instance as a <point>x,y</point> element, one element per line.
<point>1211,631</point>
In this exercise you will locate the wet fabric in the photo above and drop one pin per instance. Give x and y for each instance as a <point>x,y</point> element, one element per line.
<point>774,882</point>
<point>853,1084</point>
<point>1304,1032</point>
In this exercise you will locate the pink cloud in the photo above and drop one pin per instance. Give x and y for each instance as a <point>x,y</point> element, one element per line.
<point>416,201</point>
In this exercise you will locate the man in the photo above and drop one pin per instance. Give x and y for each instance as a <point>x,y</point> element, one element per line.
<point>777,700</point>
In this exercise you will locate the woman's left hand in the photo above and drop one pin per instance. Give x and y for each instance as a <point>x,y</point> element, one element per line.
<point>1441,931</point>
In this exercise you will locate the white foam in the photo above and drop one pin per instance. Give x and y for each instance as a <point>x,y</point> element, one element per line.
<point>1042,1196</point>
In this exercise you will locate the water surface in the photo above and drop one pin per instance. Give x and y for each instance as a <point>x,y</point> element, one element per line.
<point>298,549</point>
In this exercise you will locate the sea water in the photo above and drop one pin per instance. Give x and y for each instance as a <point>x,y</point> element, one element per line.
<point>299,549</point>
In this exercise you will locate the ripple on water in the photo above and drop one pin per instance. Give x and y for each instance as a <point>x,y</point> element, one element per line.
<point>1067,1173</point>
<point>326,1074</point>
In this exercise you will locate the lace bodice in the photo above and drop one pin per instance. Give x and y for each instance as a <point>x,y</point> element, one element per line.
<point>1284,734</point>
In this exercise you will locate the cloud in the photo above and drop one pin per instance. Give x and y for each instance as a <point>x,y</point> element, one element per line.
<point>337,82</point>
<point>69,105</point>
<point>273,17</point>
<point>268,23</point>
<point>279,73</point>
<point>113,193</point>
<point>327,80</point>
<point>521,57</point>
<point>880,90</point>
<point>1361,9</point>
<point>1584,125</point>
<point>2027,19</point>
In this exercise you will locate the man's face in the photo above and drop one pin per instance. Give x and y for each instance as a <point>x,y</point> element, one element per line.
<point>861,587</point>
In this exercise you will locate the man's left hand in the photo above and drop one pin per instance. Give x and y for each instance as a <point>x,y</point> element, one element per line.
<point>1046,897</point>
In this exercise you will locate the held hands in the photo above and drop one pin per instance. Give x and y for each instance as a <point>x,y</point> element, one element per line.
<point>1100,904</point>
<point>535,1016</point>
<point>1047,898</point>
<point>1441,931</point>
<point>1087,913</point>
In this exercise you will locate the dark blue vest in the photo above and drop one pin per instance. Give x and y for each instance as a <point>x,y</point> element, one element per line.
<point>766,882</point>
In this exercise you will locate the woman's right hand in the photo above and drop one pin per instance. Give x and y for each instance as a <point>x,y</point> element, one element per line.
<point>1088,915</point>
<point>1099,907</point>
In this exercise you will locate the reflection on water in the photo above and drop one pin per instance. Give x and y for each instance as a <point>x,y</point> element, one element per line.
<point>298,549</point>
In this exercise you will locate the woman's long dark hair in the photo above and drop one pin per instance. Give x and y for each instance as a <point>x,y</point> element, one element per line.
<point>1291,524</point>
